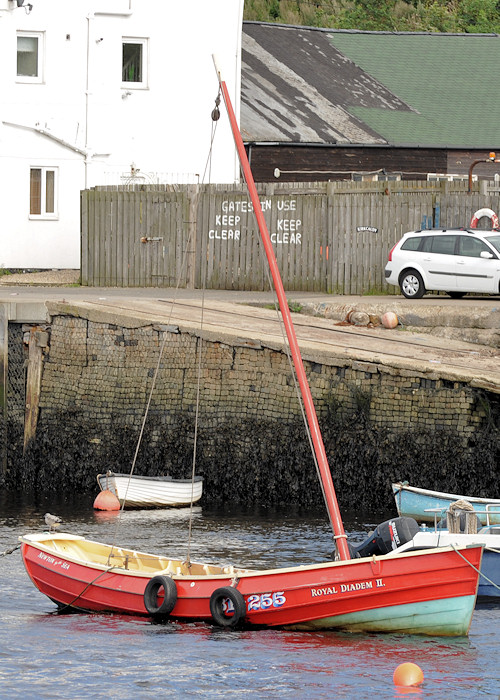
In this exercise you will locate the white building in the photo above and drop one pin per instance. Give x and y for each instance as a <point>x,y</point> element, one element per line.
<point>105,92</point>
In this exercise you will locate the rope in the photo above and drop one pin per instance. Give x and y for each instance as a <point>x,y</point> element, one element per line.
<point>9,551</point>
<point>215,117</point>
<point>69,605</point>
<point>473,567</point>
<point>208,168</point>
<point>299,398</point>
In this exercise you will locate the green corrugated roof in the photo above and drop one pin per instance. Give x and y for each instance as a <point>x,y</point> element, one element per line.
<point>451,81</point>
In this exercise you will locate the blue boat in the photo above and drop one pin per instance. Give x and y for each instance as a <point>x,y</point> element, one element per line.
<point>427,506</point>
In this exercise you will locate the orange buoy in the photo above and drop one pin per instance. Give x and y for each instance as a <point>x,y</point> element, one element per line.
<point>106,500</point>
<point>389,320</point>
<point>408,674</point>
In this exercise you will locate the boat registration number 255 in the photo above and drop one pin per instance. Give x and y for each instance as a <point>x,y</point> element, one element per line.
<point>259,602</point>
<point>265,601</point>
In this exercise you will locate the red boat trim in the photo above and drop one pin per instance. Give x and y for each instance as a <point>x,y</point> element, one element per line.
<point>319,448</point>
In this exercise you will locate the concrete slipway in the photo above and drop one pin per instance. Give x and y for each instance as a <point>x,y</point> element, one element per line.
<point>457,340</point>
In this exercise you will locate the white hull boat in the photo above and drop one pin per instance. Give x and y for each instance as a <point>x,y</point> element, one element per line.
<point>151,491</point>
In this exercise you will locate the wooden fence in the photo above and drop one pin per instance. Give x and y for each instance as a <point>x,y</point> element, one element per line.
<point>331,237</point>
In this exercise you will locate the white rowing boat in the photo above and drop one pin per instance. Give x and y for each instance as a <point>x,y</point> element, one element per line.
<point>151,491</point>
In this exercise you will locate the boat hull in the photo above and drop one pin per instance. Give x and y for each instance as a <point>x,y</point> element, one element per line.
<point>430,593</point>
<point>489,580</point>
<point>152,491</point>
<point>413,502</point>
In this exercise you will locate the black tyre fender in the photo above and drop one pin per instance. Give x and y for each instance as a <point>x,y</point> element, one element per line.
<point>216,607</point>
<point>169,595</point>
<point>417,280</point>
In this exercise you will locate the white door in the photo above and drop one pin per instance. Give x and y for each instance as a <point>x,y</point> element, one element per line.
<point>439,262</point>
<point>474,272</point>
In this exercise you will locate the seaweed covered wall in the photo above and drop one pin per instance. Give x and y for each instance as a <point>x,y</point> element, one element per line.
<point>379,424</point>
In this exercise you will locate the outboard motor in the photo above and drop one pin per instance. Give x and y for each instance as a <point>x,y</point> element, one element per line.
<point>386,537</point>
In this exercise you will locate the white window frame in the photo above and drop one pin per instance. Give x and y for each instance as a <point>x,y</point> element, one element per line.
<point>142,84</point>
<point>39,77</point>
<point>449,177</point>
<point>44,214</point>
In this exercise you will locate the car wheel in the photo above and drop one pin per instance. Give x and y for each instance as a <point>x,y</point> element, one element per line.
<point>412,284</point>
<point>456,295</point>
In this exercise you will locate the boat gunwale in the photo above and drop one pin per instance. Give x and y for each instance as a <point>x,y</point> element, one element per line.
<point>397,487</point>
<point>235,571</point>
<point>164,479</point>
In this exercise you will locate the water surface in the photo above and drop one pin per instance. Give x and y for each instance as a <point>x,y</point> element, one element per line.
<point>48,655</point>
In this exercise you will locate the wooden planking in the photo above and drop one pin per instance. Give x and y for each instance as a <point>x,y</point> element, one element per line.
<point>335,254</point>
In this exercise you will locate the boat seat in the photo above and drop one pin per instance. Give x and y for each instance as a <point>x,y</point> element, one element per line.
<point>211,570</point>
<point>170,568</point>
<point>139,564</point>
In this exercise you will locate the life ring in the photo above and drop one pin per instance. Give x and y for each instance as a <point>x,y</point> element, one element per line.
<point>217,610</point>
<point>169,595</point>
<point>484,212</point>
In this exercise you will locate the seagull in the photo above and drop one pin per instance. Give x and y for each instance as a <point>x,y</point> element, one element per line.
<point>52,521</point>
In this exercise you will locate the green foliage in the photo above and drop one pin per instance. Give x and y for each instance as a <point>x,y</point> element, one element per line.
<point>467,16</point>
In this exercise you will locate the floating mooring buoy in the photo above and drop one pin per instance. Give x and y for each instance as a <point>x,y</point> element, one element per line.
<point>106,500</point>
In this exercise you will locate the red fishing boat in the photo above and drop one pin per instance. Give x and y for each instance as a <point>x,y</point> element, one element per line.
<point>428,592</point>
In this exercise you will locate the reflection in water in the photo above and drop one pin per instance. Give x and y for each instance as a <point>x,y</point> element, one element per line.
<point>115,656</point>
<point>145,516</point>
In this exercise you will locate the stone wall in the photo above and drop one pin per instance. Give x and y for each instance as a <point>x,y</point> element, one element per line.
<point>107,372</point>
<point>380,424</point>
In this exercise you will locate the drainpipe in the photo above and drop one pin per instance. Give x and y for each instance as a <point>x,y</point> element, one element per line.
<point>491,159</point>
<point>90,18</point>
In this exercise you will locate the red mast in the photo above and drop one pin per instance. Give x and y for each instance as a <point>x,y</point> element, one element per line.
<point>312,419</point>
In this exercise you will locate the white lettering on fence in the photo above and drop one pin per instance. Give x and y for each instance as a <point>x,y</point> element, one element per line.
<point>228,222</point>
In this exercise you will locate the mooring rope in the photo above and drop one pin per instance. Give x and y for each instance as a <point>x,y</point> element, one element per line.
<point>91,583</point>
<point>475,569</point>
<point>9,551</point>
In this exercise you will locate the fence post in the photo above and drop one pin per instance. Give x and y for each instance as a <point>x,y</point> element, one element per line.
<point>193,192</point>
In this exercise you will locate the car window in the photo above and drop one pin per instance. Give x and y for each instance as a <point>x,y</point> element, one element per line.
<point>495,241</point>
<point>471,247</point>
<point>445,245</point>
<point>412,243</point>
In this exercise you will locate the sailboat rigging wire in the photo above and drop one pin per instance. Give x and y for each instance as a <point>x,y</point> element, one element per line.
<point>215,117</point>
<point>331,498</point>
<point>286,346</point>
<point>208,167</point>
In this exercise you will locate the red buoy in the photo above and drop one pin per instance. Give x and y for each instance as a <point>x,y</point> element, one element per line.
<point>408,674</point>
<point>106,500</point>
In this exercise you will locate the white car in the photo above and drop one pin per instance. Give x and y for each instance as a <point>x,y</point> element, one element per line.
<point>455,261</point>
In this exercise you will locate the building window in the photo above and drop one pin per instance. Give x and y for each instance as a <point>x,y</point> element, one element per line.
<point>134,63</point>
<point>29,57</point>
<point>43,184</point>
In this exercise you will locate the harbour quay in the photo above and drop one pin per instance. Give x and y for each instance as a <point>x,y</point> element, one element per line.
<point>419,401</point>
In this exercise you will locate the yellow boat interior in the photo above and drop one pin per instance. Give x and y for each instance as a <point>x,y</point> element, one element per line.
<point>77,549</point>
